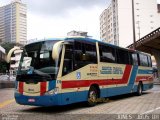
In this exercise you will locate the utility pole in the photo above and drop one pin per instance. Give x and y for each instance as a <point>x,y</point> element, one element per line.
<point>133,22</point>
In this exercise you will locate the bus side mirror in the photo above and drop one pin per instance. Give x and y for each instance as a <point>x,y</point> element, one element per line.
<point>26,62</point>
<point>8,59</point>
<point>56,49</point>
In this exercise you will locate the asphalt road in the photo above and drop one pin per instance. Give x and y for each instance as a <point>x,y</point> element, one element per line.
<point>121,107</point>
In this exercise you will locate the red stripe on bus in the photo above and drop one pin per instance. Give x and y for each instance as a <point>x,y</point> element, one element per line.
<point>43,87</point>
<point>87,83</point>
<point>21,85</point>
<point>126,75</point>
<point>144,78</point>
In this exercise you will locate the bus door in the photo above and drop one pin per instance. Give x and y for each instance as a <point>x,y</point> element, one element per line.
<point>68,79</point>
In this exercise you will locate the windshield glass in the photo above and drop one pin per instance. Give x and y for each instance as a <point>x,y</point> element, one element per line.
<point>36,62</point>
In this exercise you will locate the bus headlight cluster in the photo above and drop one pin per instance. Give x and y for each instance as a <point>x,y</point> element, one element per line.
<point>53,91</point>
<point>16,91</point>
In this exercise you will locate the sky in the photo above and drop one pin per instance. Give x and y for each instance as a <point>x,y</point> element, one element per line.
<point>54,18</point>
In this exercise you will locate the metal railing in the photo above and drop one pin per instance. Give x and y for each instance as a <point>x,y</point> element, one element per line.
<point>140,41</point>
<point>7,77</point>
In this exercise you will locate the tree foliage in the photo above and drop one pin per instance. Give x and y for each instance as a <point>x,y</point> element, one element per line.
<point>4,66</point>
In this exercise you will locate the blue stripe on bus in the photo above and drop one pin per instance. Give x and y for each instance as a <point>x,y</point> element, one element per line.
<point>70,97</point>
<point>133,75</point>
<point>52,84</point>
<point>45,100</point>
<point>140,71</point>
<point>108,92</point>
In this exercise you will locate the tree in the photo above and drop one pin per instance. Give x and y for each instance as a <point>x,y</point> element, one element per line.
<point>4,66</point>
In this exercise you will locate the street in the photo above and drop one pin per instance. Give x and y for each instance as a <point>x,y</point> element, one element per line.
<point>130,104</point>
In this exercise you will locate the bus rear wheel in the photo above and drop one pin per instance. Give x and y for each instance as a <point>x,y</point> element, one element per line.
<point>92,96</point>
<point>139,89</point>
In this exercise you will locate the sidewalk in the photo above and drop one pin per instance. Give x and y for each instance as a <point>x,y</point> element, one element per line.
<point>157,81</point>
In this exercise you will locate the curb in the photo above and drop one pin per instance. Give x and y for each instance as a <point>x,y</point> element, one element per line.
<point>156,83</point>
<point>7,84</point>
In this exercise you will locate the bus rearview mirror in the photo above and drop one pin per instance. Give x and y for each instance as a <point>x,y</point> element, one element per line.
<point>56,50</point>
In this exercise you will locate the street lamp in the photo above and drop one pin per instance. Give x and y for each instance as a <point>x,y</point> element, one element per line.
<point>133,22</point>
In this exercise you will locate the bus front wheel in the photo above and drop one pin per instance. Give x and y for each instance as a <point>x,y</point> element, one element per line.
<point>92,96</point>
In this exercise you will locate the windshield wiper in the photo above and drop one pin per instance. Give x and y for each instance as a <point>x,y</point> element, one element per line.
<point>31,70</point>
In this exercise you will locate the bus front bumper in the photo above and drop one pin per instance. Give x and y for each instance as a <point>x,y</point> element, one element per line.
<point>45,100</point>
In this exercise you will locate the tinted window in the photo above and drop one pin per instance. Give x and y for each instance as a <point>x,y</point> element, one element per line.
<point>107,54</point>
<point>149,61</point>
<point>85,53</point>
<point>68,60</point>
<point>41,61</point>
<point>122,56</point>
<point>135,58</point>
<point>143,60</point>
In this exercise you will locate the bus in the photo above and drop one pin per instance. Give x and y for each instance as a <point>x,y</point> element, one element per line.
<point>75,69</point>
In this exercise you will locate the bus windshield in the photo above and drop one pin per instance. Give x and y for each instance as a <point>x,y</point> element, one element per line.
<point>37,63</point>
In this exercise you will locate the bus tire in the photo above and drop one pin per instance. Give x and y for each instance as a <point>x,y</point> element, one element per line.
<point>92,96</point>
<point>139,89</point>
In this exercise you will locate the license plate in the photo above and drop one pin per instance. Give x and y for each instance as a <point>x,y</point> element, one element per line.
<point>31,100</point>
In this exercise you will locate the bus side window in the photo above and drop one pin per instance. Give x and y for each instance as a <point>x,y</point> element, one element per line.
<point>143,60</point>
<point>107,54</point>
<point>149,61</point>
<point>85,53</point>
<point>130,58</point>
<point>68,60</point>
<point>91,53</point>
<point>135,59</point>
<point>77,54</point>
<point>122,56</point>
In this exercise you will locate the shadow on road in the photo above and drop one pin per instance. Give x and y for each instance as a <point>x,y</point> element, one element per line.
<point>76,106</point>
<point>56,109</point>
<point>126,96</point>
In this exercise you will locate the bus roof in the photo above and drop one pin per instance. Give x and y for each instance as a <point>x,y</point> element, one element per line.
<point>86,39</point>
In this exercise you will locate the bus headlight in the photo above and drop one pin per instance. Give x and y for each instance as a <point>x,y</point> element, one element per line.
<point>16,91</point>
<point>53,91</point>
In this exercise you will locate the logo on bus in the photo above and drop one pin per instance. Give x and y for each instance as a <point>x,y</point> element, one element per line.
<point>78,75</point>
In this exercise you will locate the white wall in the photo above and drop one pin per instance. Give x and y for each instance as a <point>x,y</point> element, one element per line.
<point>125,22</point>
<point>145,12</point>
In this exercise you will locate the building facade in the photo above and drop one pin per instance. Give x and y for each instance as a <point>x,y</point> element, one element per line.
<point>15,59</point>
<point>116,26</point>
<point>13,22</point>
